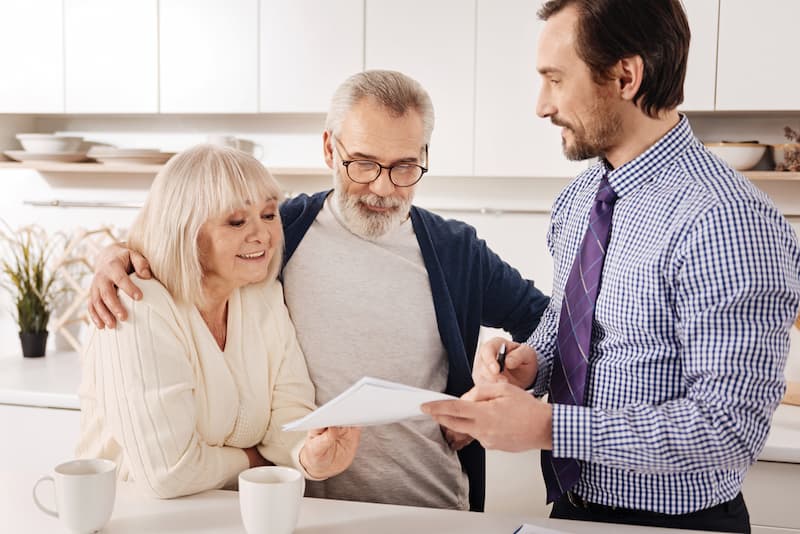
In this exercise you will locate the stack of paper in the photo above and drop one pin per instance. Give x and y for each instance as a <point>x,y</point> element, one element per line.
<point>370,401</point>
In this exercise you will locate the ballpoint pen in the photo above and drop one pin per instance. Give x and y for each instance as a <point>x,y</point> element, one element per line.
<point>501,357</point>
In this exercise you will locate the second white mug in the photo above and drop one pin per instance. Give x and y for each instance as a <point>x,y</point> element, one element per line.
<point>245,145</point>
<point>222,140</point>
<point>269,499</point>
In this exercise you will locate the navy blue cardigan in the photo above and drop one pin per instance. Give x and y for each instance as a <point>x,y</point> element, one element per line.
<point>471,286</point>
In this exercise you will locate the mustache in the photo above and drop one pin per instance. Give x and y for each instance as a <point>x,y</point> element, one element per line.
<point>376,201</point>
<point>561,123</point>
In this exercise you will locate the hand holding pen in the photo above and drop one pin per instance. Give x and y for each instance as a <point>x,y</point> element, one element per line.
<point>502,360</point>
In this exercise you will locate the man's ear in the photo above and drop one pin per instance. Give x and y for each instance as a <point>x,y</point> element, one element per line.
<point>327,148</point>
<point>627,75</point>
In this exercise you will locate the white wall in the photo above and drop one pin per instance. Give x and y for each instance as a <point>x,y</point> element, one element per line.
<point>511,214</point>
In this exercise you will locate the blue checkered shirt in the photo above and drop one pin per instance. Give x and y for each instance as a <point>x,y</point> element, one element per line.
<point>700,288</point>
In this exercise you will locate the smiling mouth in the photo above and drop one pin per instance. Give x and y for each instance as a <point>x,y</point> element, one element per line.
<point>378,209</point>
<point>251,256</point>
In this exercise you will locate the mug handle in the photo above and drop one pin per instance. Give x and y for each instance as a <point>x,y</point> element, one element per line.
<point>42,507</point>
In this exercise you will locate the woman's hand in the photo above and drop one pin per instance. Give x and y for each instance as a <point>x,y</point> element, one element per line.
<point>254,457</point>
<point>329,451</point>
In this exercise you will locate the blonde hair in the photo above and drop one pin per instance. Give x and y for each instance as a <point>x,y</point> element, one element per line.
<point>200,183</point>
<point>394,90</point>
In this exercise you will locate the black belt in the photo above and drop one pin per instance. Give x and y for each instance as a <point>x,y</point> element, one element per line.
<point>580,503</point>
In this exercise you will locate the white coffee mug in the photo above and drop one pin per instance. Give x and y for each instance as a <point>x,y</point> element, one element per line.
<point>223,140</point>
<point>251,147</point>
<point>269,499</point>
<point>85,491</point>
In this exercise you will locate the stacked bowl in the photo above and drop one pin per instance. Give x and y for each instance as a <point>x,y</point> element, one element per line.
<point>48,147</point>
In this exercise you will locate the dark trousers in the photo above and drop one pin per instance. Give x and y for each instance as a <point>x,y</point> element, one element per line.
<point>729,516</point>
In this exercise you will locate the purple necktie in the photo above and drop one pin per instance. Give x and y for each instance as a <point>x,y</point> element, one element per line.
<point>571,361</point>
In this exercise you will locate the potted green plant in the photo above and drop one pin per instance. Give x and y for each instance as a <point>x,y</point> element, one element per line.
<point>28,278</point>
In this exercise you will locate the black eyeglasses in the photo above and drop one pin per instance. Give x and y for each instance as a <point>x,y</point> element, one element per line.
<point>364,171</point>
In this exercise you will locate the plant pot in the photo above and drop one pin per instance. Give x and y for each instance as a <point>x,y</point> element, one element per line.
<point>33,343</point>
<point>786,156</point>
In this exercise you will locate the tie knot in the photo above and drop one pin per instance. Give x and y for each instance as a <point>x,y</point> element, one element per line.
<point>605,193</point>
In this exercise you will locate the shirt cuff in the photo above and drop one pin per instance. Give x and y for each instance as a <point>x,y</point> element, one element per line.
<point>572,431</point>
<point>542,381</point>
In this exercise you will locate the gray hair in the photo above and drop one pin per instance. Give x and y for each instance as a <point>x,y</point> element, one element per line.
<point>198,184</point>
<point>394,90</point>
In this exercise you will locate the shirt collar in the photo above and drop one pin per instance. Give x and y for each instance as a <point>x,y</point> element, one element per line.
<point>651,162</point>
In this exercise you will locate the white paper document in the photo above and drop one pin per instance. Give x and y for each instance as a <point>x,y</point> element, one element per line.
<point>370,401</point>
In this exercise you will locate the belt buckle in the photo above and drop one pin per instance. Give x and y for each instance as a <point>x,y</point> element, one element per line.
<point>577,501</point>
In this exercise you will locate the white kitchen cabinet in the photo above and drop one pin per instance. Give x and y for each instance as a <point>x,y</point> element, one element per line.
<point>307,48</point>
<point>510,139</point>
<point>37,439</point>
<point>756,66</point>
<point>770,491</point>
<point>432,41</point>
<point>32,55</point>
<point>208,56</point>
<point>701,72</point>
<point>111,56</point>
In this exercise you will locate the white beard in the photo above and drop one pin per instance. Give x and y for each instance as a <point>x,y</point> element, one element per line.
<point>365,223</point>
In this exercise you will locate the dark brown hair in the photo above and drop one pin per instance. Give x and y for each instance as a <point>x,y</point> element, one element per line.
<point>656,30</point>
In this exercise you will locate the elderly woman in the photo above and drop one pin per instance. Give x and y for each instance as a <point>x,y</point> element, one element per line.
<point>194,388</point>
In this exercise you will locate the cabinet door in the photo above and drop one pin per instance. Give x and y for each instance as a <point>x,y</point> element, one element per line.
<point>308,47</point>
<point>32,55</point>
<point>111,56</point>
<point>770,490</point>
<point>510,139</point>
<point>756,67</point>
<point>432,41</point>
<point>37,439</point>
<point>701,72</point>
<point>209,56</point>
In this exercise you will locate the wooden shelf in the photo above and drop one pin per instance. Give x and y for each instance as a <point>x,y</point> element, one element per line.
<point>101,168</point>
<point>773,175</point>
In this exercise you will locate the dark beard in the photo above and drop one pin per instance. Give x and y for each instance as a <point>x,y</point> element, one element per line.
<point>596,138</point>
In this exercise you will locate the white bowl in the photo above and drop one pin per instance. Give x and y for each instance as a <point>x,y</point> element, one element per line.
<point>740,156</point>
<point>49,143</point>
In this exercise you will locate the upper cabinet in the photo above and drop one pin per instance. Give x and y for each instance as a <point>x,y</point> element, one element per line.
<point>432,41</point>
<point>756,69</point>
<point>209,56</point>
<point>111,56</point>
<point>307,48</point>
<point>701,72</point>
<point>32,55</point>
<point>510,139</point>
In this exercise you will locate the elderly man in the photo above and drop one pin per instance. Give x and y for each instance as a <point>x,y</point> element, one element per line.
<point>676,285</point>
<point>379,287</point>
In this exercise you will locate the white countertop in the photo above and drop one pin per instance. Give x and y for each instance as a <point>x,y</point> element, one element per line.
<point>218,512</point>
<point>52,382</point>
